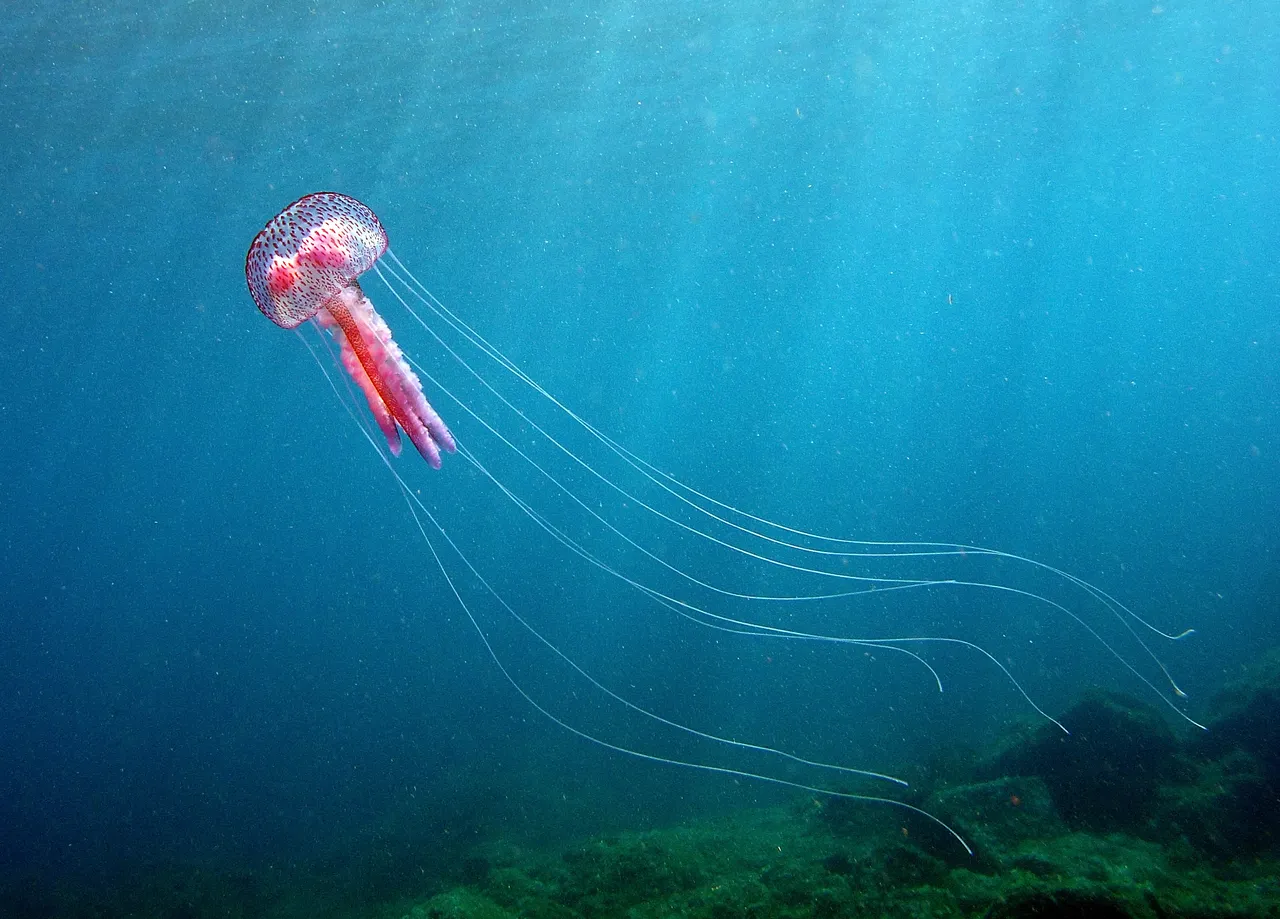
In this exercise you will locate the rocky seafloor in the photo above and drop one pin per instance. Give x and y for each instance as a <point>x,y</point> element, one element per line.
<point>1119,818</point>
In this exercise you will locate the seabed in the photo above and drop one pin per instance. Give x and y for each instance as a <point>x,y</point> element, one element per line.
<point>1123,817</point>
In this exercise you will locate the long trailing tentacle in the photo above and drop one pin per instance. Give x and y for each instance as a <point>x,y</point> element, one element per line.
<point>403,283</point>
<point>419,511</point>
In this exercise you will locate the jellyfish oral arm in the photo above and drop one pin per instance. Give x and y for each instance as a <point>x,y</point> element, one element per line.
<point>351,363</point>
<point>377,365</point>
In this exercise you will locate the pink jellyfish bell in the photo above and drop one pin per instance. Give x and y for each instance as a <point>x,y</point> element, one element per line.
<point>304,265</point>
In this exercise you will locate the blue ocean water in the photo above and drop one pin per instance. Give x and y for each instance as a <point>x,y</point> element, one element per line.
<point>987,274</point>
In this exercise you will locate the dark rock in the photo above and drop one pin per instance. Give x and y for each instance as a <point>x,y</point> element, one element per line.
<point>1232,805</point>
<point>1246,716</point>
<point>1230,810</point>
<point>995,817</point>
<point>839,863</point>
<point>1105,775</point>
<point>905,865</point>
<point>1059,904</point>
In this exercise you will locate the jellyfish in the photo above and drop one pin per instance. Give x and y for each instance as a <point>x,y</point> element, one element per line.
<point>304,266</point>
<point>667,547</point>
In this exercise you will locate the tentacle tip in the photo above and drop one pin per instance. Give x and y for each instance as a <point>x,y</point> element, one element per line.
<point>1185,634</point>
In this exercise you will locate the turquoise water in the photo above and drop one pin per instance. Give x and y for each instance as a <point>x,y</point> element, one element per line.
<point>993,275</point>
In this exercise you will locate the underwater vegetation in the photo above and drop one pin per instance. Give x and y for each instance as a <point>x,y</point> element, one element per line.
<point>1120,818</point>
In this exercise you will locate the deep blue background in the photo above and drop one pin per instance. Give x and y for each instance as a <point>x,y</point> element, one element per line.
<point>1000,274</point>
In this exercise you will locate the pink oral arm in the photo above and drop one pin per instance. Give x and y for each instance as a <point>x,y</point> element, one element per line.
<point>381,415</point>
<point>389,383</point>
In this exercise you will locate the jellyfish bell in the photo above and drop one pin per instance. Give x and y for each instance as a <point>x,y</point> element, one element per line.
<point>695,560</point>
<point>304,265</point>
